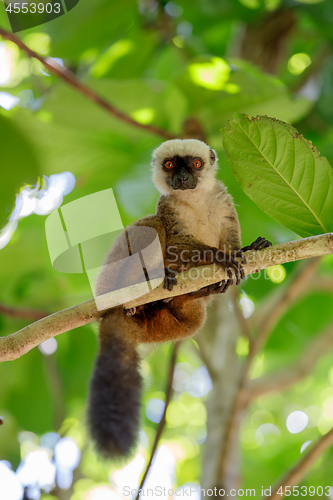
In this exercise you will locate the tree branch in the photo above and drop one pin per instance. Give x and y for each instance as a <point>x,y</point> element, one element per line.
<point>21,342</point>
<point>243,322</point>
<point>161,425</point>
<point>15,312</point>
<point>321,284</point>
<point>299,369</point>
<point>67,76</point>
<point>295,475</point>
<point>302,282</point>
<point>270,313</point>
<point>314,68</point>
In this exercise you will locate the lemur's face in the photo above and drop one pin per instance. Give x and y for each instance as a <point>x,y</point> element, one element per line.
<point>183,172</point>
<point>180,165</point>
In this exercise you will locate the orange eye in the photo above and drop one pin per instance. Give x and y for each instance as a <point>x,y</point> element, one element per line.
<point>168,164</point>
<point>197,164</point>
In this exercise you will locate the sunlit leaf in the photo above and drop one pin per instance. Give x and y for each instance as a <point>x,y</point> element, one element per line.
<point>19,165</point>
<point>282,172</point>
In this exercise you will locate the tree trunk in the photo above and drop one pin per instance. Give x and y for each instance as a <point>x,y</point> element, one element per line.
<point>217,343</point>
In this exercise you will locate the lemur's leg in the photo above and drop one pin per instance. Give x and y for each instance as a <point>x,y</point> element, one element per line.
<point>160,322</point>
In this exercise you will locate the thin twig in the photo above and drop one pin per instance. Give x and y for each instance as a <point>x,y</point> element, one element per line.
<point>321,284</point>
<point>243,322</point>
<point>15,345</point>
<point>161,425</point>
<point>69,77</point>
<point>299,369</point>
<point>22,313</point>
<point>56,389</point>
<point>312,282</point>
<point>295,475</point>
<point>319,61</point>
<point>290,293</point>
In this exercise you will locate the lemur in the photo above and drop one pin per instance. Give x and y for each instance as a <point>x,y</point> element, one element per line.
<point>197,224</point>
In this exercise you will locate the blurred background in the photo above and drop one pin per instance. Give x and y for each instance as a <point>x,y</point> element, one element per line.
<point>185,67</point>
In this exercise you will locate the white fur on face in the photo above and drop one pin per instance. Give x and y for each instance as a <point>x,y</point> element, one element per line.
<point>183,147</point>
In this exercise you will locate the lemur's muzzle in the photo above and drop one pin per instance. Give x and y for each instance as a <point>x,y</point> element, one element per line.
<point>183,180</point>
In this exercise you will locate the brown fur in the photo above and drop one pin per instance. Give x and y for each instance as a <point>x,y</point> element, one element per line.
<point>195,220</point>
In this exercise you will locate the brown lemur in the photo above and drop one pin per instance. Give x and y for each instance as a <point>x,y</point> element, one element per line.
<point>197,224</point>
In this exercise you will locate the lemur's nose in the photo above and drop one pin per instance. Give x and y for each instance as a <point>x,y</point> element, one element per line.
<point>182,179</point>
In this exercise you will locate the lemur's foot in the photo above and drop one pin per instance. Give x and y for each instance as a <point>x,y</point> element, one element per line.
<point>213,289</point>
<point>223,286</point>
<point>130,312</point>
<point>170,279</point>
<point>240,253</point>
<point>233,268</point>
<point>258,244</point>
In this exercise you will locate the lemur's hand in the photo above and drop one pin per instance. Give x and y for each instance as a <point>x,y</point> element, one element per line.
<point>258,244</point>
<point>233,269</point>
<point>170,279</point>
<point>213,289</point>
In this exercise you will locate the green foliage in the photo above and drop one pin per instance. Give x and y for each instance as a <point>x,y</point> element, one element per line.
<point>153,67</point>
<point>16,149</point>
<point>282,172</point>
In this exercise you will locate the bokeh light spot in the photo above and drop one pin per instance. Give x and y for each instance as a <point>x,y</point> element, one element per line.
<point>179,41</point>
<point>266,434</point>
<point>154,409</point>
<point>144,115</point>
<point>297,421</point>
<point>276,273</point>
<point>173,10</point>
<point>8,101</point>
<point>39,42</point>
<point>242,346</point>
<point>67,453</point>
<point>250,4</point>
<point>247,306</point>
<point>212,75</point>
<point>305,445</point>
<point>48,347</point>
<point>10,485</point>
<point>298,63</point>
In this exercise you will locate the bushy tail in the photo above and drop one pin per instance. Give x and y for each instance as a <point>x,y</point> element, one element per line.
<point>114,401</point>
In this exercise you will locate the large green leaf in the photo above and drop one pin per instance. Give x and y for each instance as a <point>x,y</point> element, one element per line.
<point>19,165</point>
<point>281,172</point>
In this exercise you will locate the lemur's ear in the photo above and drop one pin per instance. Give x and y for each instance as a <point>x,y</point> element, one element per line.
<point>212,156</point>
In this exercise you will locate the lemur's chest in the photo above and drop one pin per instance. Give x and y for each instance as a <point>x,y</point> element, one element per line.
<point>203,225</point>
<point>204,219</point>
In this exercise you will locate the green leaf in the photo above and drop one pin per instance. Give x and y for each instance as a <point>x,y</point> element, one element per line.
<point>88,28</point>
<point>18,162</point>
<point>281,172</point>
